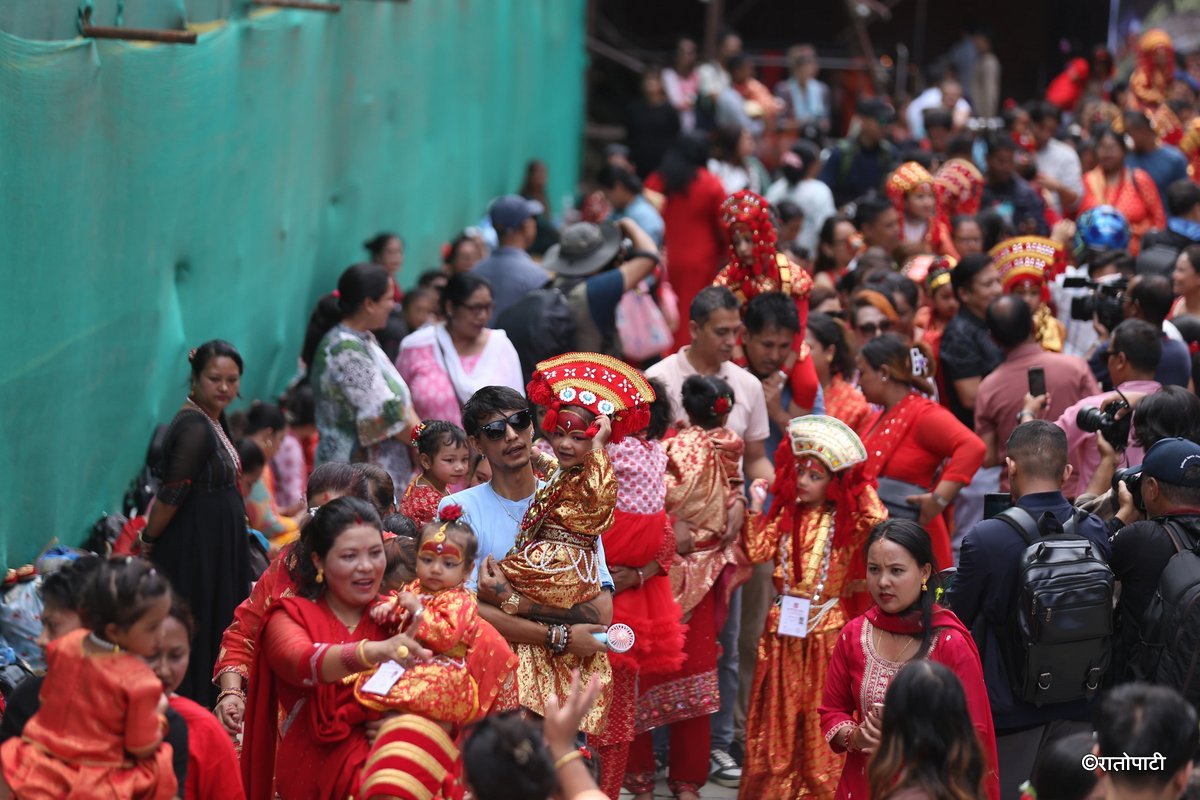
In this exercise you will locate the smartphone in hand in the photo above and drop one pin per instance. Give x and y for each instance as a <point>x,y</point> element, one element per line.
<point>1037,381</point>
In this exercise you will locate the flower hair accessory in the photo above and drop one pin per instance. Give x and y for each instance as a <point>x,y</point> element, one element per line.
<point>1194,347</point>
<point>337,294</point>
<point>437,544</point>
<point>417,430</point>
<point>722,405</point>
<point>191,355</point>
<point>597,383</point>
<point>451,512</point>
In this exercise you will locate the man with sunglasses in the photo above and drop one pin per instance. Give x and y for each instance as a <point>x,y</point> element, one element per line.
<point>499,423</point>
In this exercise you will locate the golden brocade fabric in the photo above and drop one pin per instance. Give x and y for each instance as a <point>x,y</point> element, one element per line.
<point>702,470</point>
<point>1048,331</point>
<point>555,560</point>
<point>786,754</point>
<point>442,689</point>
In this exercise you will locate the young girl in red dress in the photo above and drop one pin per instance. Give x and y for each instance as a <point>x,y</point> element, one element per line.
<point>99,731</point>
<point>445,460</point>
<point>470,659</point>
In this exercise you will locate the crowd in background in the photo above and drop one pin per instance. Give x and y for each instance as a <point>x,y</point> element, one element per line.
<point>850,383</point>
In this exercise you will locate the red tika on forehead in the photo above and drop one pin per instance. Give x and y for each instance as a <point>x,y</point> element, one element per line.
<point>570,422</point>
<point>445,547</point>
<point>810,463</point>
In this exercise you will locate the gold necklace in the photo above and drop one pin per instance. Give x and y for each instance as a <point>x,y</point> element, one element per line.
<point>900,657</point>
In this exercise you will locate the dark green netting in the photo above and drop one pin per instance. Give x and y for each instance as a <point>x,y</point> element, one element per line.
<point>155,196</point>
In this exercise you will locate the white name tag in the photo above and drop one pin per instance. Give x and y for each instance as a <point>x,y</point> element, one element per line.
<point>384,678</point>
<point>793,616</point>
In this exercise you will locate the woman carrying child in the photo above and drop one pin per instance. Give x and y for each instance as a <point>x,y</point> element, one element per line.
<point>444,459</point>
<point>444,692</point>
<point>822,513</point>
<point>99,731</point>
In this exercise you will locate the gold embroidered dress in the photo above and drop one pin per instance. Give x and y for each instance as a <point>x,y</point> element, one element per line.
<point>555,562</point>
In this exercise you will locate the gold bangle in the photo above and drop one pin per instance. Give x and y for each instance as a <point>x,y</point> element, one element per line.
<point>360,653</point>
<point>567,759</point>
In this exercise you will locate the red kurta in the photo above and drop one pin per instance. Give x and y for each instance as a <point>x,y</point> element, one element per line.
<point>95,709</point>
<point>240,638</point>
<point>915,440</point>
<point>1134,195</point>
<point>692,240</point>
<point>845,402</point>
<point>858,677</point>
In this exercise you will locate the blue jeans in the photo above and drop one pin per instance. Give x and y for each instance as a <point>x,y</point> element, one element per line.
<point>727,675</point>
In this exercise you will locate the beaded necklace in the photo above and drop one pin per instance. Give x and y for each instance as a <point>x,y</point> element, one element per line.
<point>216,426</point>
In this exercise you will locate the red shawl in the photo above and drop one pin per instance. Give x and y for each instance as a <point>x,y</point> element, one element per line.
<point>324,740</point>
<point>963,659</point>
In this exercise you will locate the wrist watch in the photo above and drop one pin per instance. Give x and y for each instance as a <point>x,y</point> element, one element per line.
<point>511,604</point>
<point>1023,413</point>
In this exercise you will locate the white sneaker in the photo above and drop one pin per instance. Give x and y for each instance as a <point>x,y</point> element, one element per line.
<point>723,770</point>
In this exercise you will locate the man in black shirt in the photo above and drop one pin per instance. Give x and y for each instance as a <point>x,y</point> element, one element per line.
<point>1141,550</point>
<point>968,353</point>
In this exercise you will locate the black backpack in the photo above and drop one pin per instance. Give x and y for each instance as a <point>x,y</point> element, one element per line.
<point>540,325</point>
<point>1169,641</point>
<point>1157,259</point>
<point>1058,644</point>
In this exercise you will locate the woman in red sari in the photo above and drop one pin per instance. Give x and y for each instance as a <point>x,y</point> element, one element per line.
<point>914,441</point>
<point>639,549</point>
<point>691,211</point>
<point>904,624</point>
<point>305,735</point>
<point>231,673</point>
<point>1130,191</point>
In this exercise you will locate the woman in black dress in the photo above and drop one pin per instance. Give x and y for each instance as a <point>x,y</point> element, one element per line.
<point>197,528</point>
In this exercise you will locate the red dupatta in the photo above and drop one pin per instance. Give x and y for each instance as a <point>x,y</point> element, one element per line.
<point>319,733</point>
<point>888,432</point>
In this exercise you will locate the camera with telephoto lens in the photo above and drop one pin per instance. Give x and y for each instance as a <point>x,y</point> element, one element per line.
<point>1105,422</point>
<point>1104,302</point>
<point>1133,482</point>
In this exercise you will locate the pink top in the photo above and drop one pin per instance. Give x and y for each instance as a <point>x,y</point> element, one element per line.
<point>291,473</point>
<point>639,466</point>
<point>433,394</point>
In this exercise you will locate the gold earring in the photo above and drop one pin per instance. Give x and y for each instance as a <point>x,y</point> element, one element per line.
<point>320,575</point>
<point>924,586</point>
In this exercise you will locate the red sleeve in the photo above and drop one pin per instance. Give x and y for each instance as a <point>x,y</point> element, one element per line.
<point>957,651</point>
<point>1089,198</point>
<point>446,617</point>
<point>142,727</point>
<point>237,643</point>
<point>837,701</point>
<point>290,651</point>
<point>939,432</point>
<point>654,182</point>
<point>1149,194</point>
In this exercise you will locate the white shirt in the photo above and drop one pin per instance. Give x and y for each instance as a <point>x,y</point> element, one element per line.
<point>748,418</point>
<point>1060,161</point>
<point>930,98</point>
<point>816,201</point>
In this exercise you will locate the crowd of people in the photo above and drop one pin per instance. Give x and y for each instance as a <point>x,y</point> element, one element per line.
<point>815,468</point>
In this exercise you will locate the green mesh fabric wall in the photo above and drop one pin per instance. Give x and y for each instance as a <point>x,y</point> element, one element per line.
<point>155,196</point>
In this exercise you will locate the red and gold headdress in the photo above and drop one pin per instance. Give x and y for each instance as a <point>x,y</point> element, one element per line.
<point>904,180</point>
<point>438,544</point>
<point>1028,258</point>
<point>601,384</point>
<point>749,209</point>
<point>959,188</point>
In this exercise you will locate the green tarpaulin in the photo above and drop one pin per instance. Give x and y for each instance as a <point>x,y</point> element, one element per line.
<point>156,196</point>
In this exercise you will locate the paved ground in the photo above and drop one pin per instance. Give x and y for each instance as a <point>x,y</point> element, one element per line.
<point>710,790</point>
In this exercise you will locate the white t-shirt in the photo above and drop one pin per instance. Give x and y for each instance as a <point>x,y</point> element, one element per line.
<point>1060,161</point>
<point>815,200</point>
<point>748,419</point>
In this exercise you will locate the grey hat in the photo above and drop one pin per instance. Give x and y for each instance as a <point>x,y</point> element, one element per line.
<point>583,249</point>
<point>512,210</point>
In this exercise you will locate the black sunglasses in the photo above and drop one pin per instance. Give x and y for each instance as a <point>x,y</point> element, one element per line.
<point>870,328</point>
<point>496,430</point>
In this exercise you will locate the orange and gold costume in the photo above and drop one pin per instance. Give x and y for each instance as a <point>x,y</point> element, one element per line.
<point>813,547</point>
<point>1034,261</point>
<point>555,562</point>
<point>906,179</point>
<point>1149,82</point>
<point>703,470</point>
<point>95,709</point>
<point>470,662</point>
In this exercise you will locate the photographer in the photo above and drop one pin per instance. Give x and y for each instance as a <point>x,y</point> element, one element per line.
<point>1149,298</point>
<point>1172,412</point>
<point>1169,490</point>
<point>1134,353</point>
